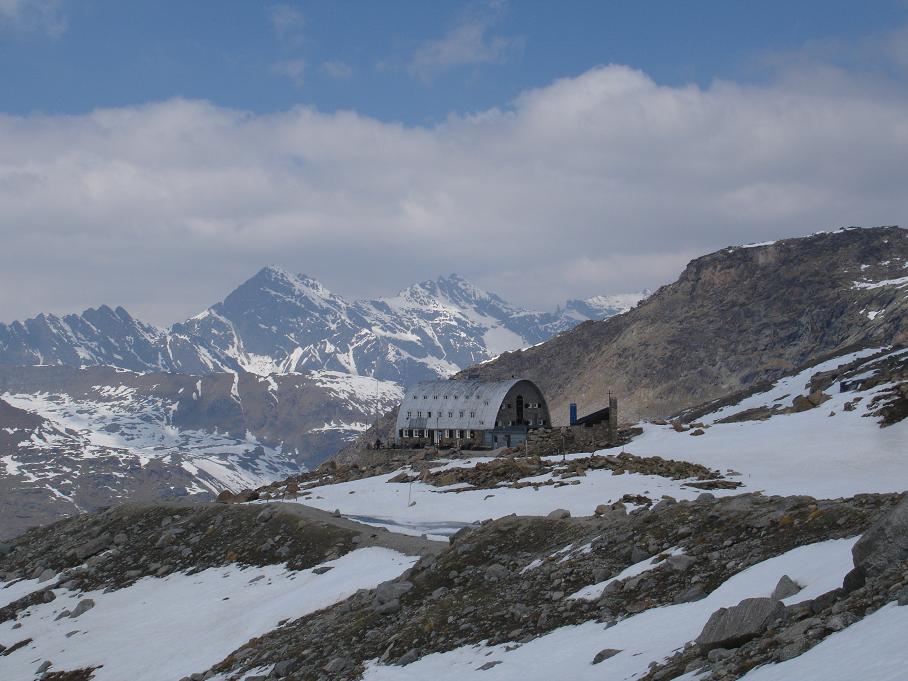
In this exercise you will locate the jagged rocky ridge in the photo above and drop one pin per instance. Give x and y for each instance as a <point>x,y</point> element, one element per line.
<point>734,318</point>
<point>278,323</point>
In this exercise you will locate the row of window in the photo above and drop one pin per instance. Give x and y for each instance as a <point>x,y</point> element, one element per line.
<point>449,434</point>
<point>435,397</point>
<point>439,414</point>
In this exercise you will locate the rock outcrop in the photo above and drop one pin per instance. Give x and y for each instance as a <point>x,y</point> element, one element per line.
<point>885,544</point>
<point>730,627</point>
<point>734,318</point>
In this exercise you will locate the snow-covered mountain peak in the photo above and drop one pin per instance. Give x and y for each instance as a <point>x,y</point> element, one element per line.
<point>279,322</point>
<point>275,284</point>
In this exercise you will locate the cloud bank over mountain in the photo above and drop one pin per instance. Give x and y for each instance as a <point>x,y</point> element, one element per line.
<point>607,181</point>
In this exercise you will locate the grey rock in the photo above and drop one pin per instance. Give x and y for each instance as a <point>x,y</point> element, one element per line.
<point>681,562</point>
<point>559,514</point>
<point>718,654</point>
<point>43,667</point>
<point>885,543</point>
<point>408,657</point>
<point>841,621</point>
<point>785,588</point>
<point>47,574</point>
<point>638,554</point>
<point>5,549</point>
<point>337,664</point>
<point>731,627</point>
<point>488,665</point>
<point>902,598</point>
<point>93,546</point>
<point>605,654</point>
<point>791,650</point>
<point>265,515</point>
<point>285,667</point>
<point>387,591</point>
<point>387,607</point>
<point>83,606</point>
<point>322,569</point>
<point>692,593</point>
<point>496,571</point>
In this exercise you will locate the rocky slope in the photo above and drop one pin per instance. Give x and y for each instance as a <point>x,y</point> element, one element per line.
<point>278,323</point>
<point>734,318</point>
<point>717,586</point>
<point>794,565</point>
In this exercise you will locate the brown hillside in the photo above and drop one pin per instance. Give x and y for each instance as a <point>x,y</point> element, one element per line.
<point>734,317</point>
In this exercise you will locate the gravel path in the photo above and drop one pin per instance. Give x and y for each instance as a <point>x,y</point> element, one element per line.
<point>369,535</point>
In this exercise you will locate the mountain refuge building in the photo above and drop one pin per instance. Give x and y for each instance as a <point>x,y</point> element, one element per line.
<point>471,413</point>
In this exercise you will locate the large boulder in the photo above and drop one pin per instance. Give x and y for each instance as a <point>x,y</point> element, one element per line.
<point>734,626</point>
<point>885,543</point>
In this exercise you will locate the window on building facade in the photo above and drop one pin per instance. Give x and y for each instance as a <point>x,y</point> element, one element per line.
<point>409,414</point>
<point>419,414</point>
<point>428,414</point>
<point>470,434</point>
<point>461,414</point>
<point>450,414</point>
<point>472,414</point>
<point>434,397</point>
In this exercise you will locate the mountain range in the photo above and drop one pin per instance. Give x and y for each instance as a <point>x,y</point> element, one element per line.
<point>279,323</point>
<point>101,408</point>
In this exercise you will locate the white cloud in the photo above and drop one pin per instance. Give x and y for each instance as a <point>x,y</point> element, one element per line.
<point>46,16</point>
<point>288,22</point>
<point>292,68</point>
<point>467,43</point>
<point>600,183</point>
<point>337,69</point>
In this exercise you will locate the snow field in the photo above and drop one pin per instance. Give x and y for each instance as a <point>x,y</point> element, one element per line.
<point>804,453</point>
<point>653,635</point>
<point>161,629</point>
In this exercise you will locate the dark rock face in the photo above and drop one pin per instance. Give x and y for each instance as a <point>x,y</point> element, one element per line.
<point>885,544</point>
<point>733,319</point>
<point>730,627</point>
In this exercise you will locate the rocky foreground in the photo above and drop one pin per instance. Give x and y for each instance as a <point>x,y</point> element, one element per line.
<point>510,582</point>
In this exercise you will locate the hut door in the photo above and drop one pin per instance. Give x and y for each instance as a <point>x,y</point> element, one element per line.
<point>520,409</point>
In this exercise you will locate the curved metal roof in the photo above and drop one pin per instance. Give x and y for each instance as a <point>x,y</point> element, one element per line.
<point>480,398</point>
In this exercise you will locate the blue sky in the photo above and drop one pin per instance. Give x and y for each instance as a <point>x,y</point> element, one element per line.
<point>377,58</point>
<point>159,153</point>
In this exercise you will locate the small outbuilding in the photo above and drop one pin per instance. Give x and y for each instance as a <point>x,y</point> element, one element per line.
<point>471,413</point>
